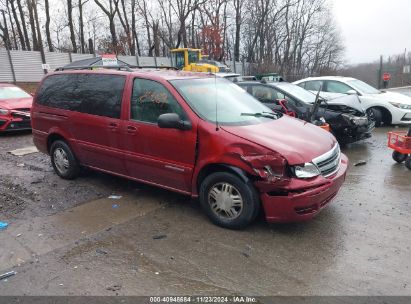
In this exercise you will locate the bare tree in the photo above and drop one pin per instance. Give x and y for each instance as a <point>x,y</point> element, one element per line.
<point>111,12</point>
<point>48,36</point>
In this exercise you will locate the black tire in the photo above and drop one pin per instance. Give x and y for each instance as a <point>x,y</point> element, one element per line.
<point>70,168</point>
<point>375,115</point>
<point>250,202</point>
<point>399,157</point>
<point>408,162</point>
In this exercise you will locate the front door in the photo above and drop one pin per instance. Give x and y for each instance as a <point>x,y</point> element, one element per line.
<point>164,157</point>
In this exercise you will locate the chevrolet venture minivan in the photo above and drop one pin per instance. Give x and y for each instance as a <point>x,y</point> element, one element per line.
<point>192,133</point>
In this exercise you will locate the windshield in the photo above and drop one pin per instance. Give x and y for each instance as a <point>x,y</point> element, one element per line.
<point>218,97</point>
<point>12,92</point>
<point>297,92</point>
<point>363,87</point>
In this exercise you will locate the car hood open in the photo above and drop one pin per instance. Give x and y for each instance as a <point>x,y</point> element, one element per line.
<point>16,103</point>
<point>296,140</point>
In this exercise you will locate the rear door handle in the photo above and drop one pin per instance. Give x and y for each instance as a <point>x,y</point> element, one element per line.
<point>131,130</point>
<point>112,126</point>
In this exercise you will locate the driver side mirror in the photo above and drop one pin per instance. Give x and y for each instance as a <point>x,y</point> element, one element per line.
<point>172,121</point>
<point>352,92</point>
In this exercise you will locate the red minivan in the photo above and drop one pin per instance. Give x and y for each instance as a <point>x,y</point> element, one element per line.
<point>191,133</point>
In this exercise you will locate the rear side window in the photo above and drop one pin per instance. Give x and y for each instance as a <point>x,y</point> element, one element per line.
<point>150,99</point>
<point>313,85</point>
<point>87,93</point>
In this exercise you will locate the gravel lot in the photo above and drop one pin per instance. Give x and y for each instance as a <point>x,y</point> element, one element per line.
<point>65,237</point>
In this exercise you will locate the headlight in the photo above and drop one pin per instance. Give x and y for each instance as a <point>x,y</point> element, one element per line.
<point>358,121</point>
<point>4,112</point>
<point>401,105</point>
<point>308,170</point>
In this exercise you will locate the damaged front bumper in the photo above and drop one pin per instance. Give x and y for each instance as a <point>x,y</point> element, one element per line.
<point>351,133</point>
<point>300,200</point>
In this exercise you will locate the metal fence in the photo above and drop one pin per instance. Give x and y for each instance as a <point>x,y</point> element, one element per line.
<point>26,66</point>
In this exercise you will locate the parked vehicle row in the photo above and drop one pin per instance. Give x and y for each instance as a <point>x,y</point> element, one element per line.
<point>347,119</point>
<point>231,144</point>
<point>384,107</point>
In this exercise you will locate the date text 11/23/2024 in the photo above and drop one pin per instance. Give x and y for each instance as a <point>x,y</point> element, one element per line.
<point>203,299</point>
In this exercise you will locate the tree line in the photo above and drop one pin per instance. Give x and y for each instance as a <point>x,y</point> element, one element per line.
<point>292,37</point>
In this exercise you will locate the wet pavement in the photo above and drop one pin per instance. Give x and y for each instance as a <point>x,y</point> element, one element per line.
<point>70,238</point>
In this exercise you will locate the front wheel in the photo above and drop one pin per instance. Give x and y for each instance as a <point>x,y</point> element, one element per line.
<point>229,201</point>
<point>399,157</point>
<point>408,162</point>
<point>63,160</point>
<point>375,115</point>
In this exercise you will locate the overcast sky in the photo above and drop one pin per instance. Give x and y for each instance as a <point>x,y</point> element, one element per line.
<point>371,28</point>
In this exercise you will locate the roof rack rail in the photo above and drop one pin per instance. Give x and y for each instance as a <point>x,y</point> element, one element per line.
<point>123,67</point>
<point>166,67</point>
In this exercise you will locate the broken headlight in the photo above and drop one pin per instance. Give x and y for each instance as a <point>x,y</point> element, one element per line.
<point>4,112</point>
<point>308,170</point>
<point>358,121</point>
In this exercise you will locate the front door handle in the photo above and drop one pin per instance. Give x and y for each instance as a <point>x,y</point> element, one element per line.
<point>131,130</point>
<point>113,126</point>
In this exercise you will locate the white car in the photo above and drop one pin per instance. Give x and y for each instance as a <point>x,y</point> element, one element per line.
<point>383,107</point>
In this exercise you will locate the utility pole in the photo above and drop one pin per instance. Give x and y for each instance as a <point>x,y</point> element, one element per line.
<point>8,46</point>
<point>380,73</point>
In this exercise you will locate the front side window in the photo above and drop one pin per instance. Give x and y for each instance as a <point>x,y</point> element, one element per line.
<point>265,94</point>
<point>218,99</point>
<point>150,99</point>
<point>179,57</point>
<point>337,87</point>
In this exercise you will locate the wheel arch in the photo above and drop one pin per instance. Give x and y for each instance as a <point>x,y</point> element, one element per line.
<point>219,167</point>
<point>386,113</point>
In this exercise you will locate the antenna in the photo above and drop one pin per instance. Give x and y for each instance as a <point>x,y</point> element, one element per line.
<point>216,103</point>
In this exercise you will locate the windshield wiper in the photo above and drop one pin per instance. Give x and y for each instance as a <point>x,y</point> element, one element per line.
<point>261,114</point>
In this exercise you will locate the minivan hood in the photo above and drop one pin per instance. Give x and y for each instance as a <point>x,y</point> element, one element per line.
<point>390,97</point>
<point>16,103</point>
<point>296,140</point>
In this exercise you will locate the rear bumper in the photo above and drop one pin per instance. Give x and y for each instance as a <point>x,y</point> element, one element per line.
<point>303,205</point>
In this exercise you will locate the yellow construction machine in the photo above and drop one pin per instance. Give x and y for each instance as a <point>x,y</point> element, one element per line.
<point>188,59</point>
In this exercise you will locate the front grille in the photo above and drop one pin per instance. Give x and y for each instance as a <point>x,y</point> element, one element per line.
<point>329,163</point>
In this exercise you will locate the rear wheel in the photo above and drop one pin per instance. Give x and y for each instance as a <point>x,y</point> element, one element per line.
<point>375,115</point>
<point>63,160</point>
<point>399,157</point>
<point>408,162</point>
<point>229,201</point>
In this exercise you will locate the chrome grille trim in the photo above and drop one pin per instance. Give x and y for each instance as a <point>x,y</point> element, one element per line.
<point>329,163</point>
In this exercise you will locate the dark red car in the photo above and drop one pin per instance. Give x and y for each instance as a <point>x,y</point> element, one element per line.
<point>191,133</point>
<point>15,105</point>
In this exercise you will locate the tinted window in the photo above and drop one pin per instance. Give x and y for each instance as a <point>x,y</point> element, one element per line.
<point>87,93</point>
<point>58,92</point>
<point>313,85</point>
<point>337,87</point>
<point>100,94</point>
<point>150,99</point>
